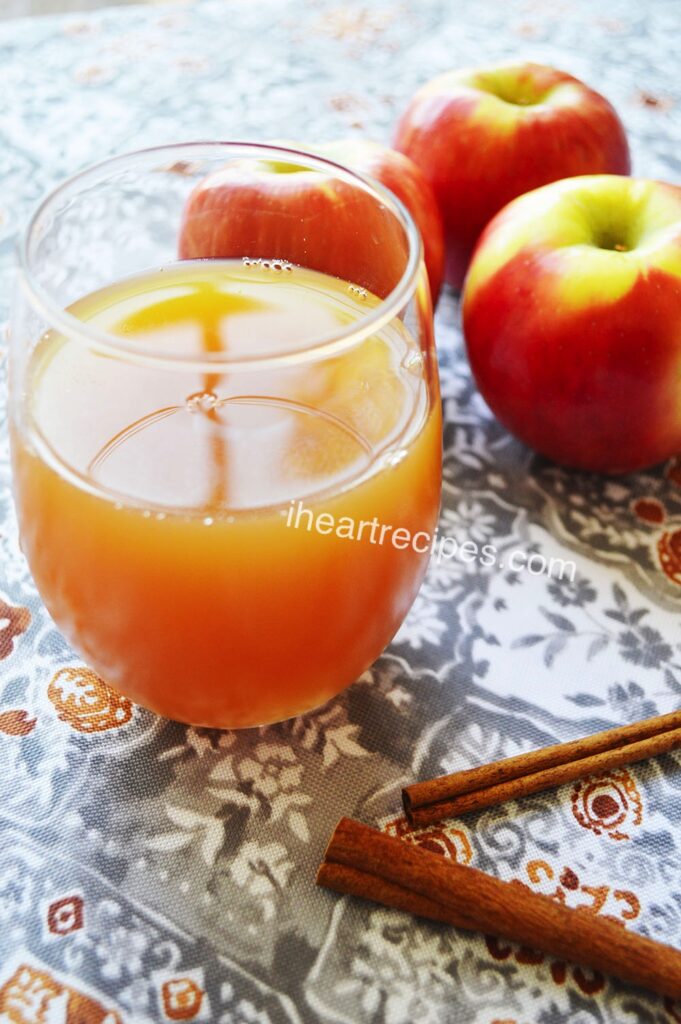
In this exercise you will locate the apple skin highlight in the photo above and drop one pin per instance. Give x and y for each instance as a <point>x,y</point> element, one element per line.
<point>572,320</point>
<point>484,136</point>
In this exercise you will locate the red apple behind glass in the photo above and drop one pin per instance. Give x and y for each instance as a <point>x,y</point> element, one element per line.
<point>274,209</point>
<point>486,135</point>
<point>405,180</point>
<point>572,319</point>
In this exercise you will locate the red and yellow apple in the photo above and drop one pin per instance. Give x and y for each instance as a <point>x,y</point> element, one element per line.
<point>406,181</point>
<point>484,136</point>
<point>572,320</point>
<point>274,209</point>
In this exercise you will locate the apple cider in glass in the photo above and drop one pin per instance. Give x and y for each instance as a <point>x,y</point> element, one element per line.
<point>194,450</point>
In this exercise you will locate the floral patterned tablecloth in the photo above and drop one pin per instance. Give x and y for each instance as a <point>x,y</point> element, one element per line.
<point>152,872</point>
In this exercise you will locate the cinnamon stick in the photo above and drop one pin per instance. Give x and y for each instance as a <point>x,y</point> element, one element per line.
<point>477,788</point>
<point>364,862</point>
<point>352,882</point>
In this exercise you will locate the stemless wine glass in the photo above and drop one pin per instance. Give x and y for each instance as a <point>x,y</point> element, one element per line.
<point>225,425</point>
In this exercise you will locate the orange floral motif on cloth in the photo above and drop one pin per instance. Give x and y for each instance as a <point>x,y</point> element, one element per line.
<point>449,842</point>
<point>669,553</point>
<point>65,916</point>
<point>181,998</point>
<point>33,995</point>
<point>667,545</point>
<point>608,804</point>
<point>649,510</point>
<point>13,622</point>
<point>16,722</point>
<point>86,703</point>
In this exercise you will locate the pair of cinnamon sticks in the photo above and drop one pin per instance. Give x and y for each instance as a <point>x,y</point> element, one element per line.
<point>451,795</point>
<point>361,861</point>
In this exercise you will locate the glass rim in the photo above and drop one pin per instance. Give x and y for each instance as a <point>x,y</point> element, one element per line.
<point>330,344</point>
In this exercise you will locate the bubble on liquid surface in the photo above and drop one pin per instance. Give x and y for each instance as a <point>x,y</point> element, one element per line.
<point>201,401</point>
<point>360,293</point>
<point>277,265</point>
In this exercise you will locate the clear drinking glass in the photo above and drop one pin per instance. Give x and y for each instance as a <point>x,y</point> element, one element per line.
<point>221,366</point>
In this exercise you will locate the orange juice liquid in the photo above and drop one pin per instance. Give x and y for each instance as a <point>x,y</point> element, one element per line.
<point>168,513</point>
